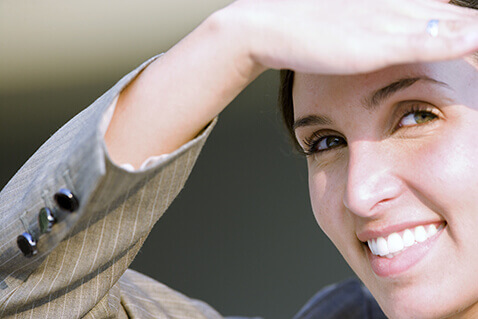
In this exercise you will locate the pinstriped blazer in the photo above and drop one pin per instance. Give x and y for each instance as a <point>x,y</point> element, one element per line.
<point>81,268</point>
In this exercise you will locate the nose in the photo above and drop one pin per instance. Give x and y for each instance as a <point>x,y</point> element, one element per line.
<point>371,178</point>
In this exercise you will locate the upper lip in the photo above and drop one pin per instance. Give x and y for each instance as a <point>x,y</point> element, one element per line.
<point>382,231</point>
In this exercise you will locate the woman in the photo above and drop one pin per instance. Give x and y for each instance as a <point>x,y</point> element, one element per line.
<point>390,151</point>
<point>392,178</point>
<point>369,104</point>
<point>391,158</point>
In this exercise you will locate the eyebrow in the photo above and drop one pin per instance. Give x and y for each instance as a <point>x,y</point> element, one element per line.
<point>380,95</point>
<point>311,120</point>
<point>372,101</point>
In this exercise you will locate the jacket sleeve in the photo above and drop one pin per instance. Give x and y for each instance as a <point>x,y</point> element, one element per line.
<point>100,215</point>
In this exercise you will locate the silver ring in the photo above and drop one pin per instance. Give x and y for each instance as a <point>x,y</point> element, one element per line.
<point>432,27</point>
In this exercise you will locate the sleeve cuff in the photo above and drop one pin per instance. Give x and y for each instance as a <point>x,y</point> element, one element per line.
<point>152,160</point>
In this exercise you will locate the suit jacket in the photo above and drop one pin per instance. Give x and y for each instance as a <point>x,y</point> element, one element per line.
<point>80,268</point>
<point>80,265</point>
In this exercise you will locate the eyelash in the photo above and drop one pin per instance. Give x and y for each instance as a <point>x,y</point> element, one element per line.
<point>313,141</point>
<point>416,108</point>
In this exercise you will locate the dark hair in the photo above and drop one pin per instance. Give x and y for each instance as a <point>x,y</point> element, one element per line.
<point>286,105</point>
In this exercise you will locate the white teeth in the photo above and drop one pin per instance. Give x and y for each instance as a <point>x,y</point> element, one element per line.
<point>395,243</point>
<point>431,230</point>
<point>408,238</point>
<point>374,246</point>
<point>369,242</point>
<point>420,234</point>
<point>382,248</point>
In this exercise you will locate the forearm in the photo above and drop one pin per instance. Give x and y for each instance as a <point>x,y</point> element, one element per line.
<point>175,97</point>
<point>172,100</point>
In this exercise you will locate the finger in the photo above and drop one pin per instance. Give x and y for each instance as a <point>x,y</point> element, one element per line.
<point>454,39</point>
<point>452,10</point>
<point>434,9</point>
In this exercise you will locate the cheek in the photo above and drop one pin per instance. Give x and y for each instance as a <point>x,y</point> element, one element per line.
<point>446,170</point>
<point>446,179</point>
<point>326,194</point>
<point>326,190</point>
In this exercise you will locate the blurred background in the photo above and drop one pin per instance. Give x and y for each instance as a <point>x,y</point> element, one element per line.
<point>241,235</point>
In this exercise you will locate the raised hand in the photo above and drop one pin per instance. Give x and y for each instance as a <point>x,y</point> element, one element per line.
<point>349,36</point>
<point>175,97</point>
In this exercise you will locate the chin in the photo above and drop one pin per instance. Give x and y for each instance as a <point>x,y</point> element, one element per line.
<point>421,313</point>
<point>407,311</point>
<point>426,303</point>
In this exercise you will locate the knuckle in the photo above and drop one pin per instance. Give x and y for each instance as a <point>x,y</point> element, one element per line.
<point>453,26</point>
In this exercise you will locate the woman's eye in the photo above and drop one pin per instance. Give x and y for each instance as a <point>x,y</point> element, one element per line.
<point>417,118</point>
<point>326,143</point>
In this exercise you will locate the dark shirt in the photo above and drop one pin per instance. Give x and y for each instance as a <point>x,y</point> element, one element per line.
<point>348,299</point>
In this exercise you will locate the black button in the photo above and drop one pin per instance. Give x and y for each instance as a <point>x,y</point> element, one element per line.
<point>46,219</point>
<point>27,244</point>
<point>67,200</point>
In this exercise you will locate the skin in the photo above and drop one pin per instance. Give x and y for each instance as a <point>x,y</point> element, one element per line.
<point>386,175</point>
<point>180,93</point>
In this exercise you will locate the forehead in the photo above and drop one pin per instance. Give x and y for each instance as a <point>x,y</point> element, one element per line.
<point>312,93</point>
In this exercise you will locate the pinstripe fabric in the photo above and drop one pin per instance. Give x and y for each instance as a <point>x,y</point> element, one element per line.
<point>80,270</point>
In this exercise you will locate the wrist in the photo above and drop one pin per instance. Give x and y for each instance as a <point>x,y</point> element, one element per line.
<point>232,27</point>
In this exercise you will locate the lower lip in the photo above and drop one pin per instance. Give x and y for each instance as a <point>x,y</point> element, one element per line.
<point>389,267</point>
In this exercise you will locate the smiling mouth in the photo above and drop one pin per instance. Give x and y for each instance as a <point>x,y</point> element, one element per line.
<point>396,243</point>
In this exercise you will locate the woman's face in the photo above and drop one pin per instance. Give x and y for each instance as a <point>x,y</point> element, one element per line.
<point>390,152</point>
